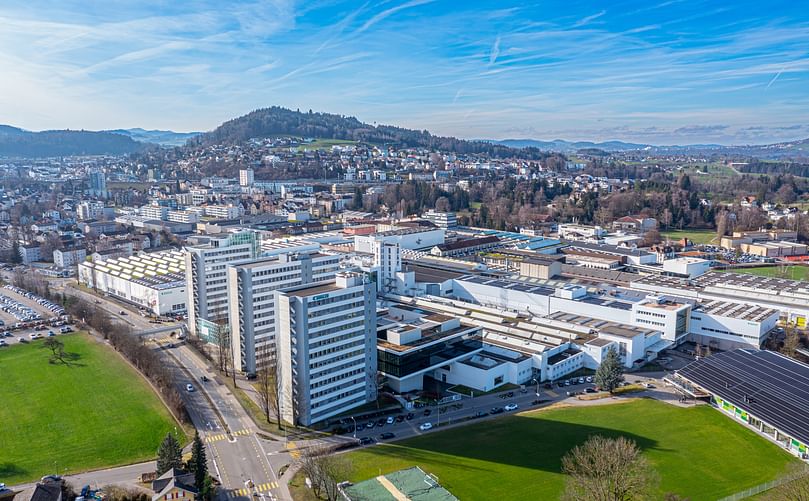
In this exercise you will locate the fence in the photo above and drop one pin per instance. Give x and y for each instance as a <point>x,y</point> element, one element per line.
<point>772,484</point>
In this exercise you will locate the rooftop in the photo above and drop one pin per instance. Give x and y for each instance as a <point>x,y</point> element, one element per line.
<point>772,387</point>
<point>312,290</point>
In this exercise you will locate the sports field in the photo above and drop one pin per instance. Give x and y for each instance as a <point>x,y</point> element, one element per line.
<point>698,453</point>
<point>790,272</point>
<point>94,413</point>
<point>696,236</point>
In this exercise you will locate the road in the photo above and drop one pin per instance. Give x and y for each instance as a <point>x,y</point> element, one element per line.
<point>237,456</point>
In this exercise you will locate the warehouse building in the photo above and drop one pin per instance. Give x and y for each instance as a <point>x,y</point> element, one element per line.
<point>153,281</point>
<point>763,390</point>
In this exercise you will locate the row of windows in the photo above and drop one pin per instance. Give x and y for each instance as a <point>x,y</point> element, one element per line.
<point>322,363</point>
<point>651,314</point>
<point>339,396</point>
<point>336,339</point>
<point>334,379</point>
<point>318,354</point>
<point>650,322</point>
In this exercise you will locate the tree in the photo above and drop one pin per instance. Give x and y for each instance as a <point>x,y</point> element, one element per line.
<point>610,373</point>
<point>792,341</point>
<point>169,455</point>
<point>198,465</point>
<point>57,348</point>
<point>607,469</point>
<point>442,204</point>
<point>325,470</point>
<point>268,386</point>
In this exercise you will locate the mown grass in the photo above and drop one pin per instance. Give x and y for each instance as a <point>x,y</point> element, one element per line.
<point>95,412</point>
<point>698,453</point>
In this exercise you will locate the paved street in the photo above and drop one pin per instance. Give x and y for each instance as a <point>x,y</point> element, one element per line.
<point>237,456</point>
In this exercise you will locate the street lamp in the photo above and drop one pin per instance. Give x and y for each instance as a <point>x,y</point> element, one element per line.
<point>355,426</point>
<point>537,380</point>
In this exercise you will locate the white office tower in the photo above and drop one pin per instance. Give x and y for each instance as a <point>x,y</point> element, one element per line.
<point>388,267</point>
<point>251,296</point>
<point>246,177</point>
<point>326,341</point>
<point>207,282</point>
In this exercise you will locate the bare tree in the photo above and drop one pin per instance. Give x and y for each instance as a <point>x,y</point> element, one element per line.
<point>325,470</point>
<point>607,469</point>
<point>792,341</point>
<point>268,386</point>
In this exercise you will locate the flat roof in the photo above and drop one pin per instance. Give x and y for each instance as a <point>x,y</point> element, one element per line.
<point>312,290</point>
<point>772,387</point>
<point>432,275</point>
<point>411,484</point>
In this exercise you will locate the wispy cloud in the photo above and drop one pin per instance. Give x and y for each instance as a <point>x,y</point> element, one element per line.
<point>589,19</point>
<point>391,11</point>
<point>495,51</point>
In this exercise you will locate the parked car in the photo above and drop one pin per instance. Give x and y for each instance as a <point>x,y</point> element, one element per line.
<point>427,412</point>
<point>510,394</point>
<point>425,426</point>
<point>189,387</point>
<point>366,441</point>
<point>380,422</point>
<point>370,424</point>
<point>480,414</point>
<point>581,380</point>
<point>410,416</point>
<point>400,418</point>
<point>589,379</point>
<point>387,435</point>
<point>3,342</point>
<point>511,407</point>
<point>496,410</point>
<point>22,340</point>
<point>390,420</point>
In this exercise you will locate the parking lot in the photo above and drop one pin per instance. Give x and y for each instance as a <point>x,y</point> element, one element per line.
<point>27,317</point>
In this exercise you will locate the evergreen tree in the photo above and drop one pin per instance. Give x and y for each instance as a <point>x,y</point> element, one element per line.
<point>169,455</point>
<point>199,464</point>
<point>610,373</point>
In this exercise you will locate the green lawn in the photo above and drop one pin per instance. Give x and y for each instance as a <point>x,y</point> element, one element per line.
<point>95,413</point>
<point>790,272</point>
<point>696,236</point>
<point>697,452</point>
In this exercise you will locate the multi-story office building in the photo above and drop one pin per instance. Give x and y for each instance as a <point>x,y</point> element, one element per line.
<point>446,220</point>
<point>207,282</point>
<point>251,296</point>
<point>326,341</point>
<point>154,211</point>
<point>246,177</point>
<point>98,184</point>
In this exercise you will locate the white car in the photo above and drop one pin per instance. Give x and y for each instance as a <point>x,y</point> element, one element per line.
<point>511,407</point>
<point>189,387</point>
<point>426,426</point>
<point>391,420</point>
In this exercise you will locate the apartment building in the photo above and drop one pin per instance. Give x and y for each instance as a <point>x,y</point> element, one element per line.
<point>251,298</point>
<point>206,278</point>
<point>326,342</point>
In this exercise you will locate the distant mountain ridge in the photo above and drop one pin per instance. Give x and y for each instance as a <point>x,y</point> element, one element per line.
<point>787,149</point>
<point>161,137</point>
<point>16,142</point>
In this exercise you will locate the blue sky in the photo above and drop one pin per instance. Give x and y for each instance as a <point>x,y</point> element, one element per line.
<point>665,72</point>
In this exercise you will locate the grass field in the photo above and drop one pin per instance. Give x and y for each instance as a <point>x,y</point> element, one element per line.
<point>96,412</point>
<point>696,236</point>
<point>697,452</point>
<point>325,144</point>
<point>790,272</point>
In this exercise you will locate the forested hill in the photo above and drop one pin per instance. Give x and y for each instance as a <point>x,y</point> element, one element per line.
<point>277,121</point>
<point>57,143</point>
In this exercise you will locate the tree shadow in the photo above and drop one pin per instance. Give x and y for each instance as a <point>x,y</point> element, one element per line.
<point>11,469</point>
<point>67,358</point>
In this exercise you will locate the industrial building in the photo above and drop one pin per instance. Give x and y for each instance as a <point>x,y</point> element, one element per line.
<point>762,390</point>
<point>155,281</point>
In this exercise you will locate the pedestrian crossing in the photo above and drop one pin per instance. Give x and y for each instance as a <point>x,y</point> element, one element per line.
<point>222,436</point>
<point>248,492</point>
<point>293,450</point>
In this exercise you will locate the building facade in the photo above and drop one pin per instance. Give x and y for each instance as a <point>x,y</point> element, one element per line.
<point>251,299</point>
<point>326,341</point>
<point>207,283</point>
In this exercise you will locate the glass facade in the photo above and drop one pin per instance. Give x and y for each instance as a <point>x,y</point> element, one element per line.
<point>404,364</point>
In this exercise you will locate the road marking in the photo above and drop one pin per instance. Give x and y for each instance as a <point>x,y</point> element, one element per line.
<point>242,433</point>
<point>551,393</point>
<point>294,451</point>
<point>266,486</point>
<point>215,438</point>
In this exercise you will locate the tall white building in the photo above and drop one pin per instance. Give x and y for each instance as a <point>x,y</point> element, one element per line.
<point>441,219</point>
<point>251,297</point>
<point>207,282</point>
<point>246,177</point>
<point>326,341</point>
